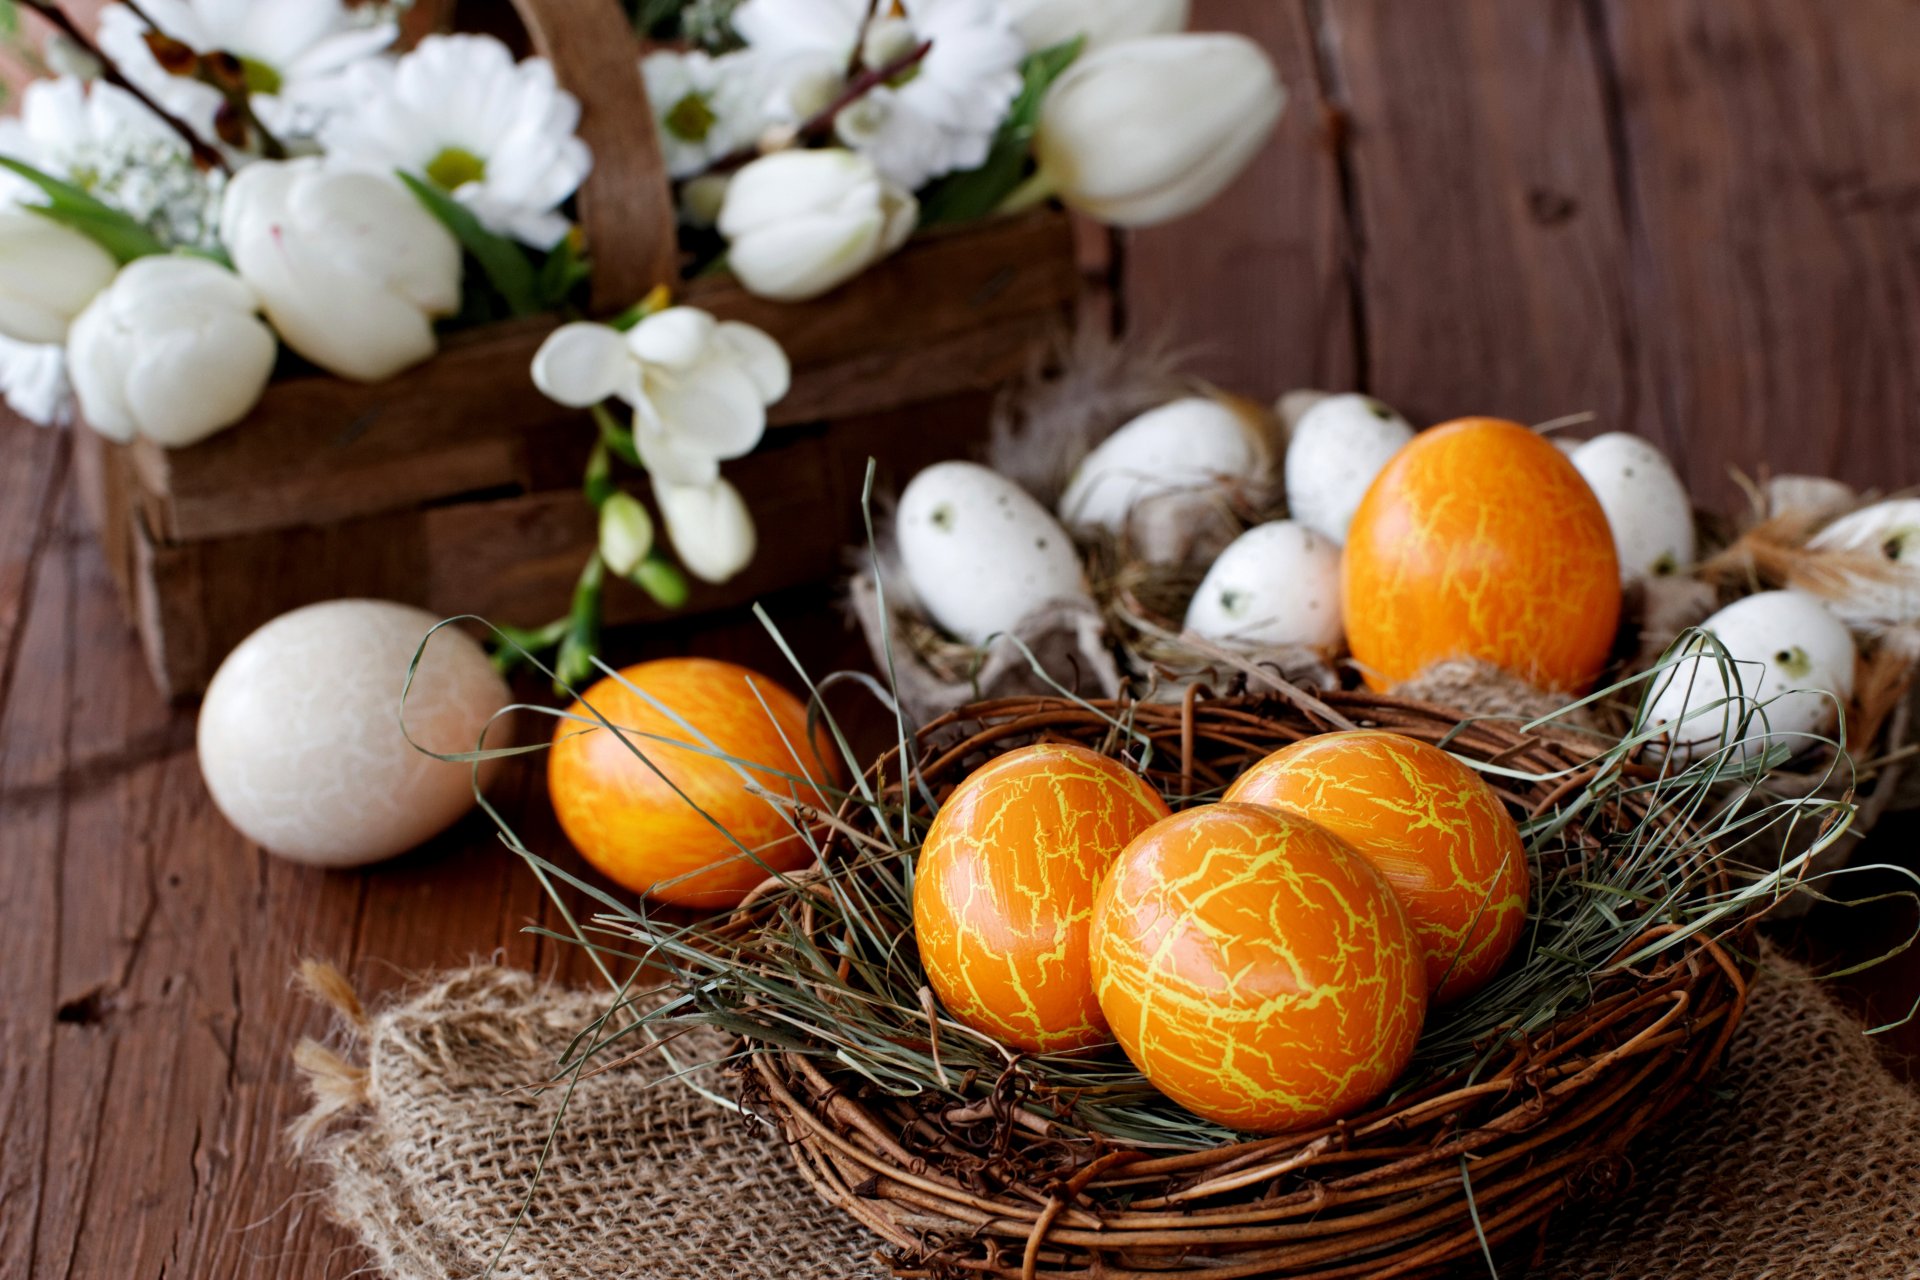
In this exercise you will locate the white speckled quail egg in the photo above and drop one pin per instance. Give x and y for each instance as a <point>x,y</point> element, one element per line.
<point>1293,406</point>
<point>300,738</point>
<point>1794,659</point>
<point>1890,530</point>
<point>1277,584</point>
<point>1646,504</point>
<point>980,552</point>
<point>1162,475</point>
<point>1337,448</point>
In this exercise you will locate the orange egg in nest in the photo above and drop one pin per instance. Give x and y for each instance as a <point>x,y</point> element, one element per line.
<point>1429,824</point>
<point>627,819</point>
<point>1256,969</point>
<point>1003,890</point>
<point>1480,540</point>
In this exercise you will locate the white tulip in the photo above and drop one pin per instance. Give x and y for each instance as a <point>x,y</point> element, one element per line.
<point>699,387</point>
<point>172,350</point>
<point>349,266</point>
<point>1148,130</point>
<point>48,274</point>
<point>711,529</point>
<point>799,223</point>
<point>1046,23</point>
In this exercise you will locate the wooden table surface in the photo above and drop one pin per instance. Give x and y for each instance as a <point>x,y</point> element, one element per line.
<point>1699,219</point>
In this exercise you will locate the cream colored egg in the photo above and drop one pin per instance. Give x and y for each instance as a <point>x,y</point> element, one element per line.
<point>300,736</point>
<point>1338,447</point>
<point>1787,669</point>
<point>1889,533</point>
<point>980,552</point>
<point>1277,585</point>
<point>1165,479</point>
<point>1646,504</point>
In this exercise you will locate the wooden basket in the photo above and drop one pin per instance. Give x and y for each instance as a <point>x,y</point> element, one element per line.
<point>455,485</point>
<point>1432,1177</point>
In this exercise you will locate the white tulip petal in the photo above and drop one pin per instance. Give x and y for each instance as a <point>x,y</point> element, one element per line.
<point>580,364</point>
<point>805,257</point>
<point>777,187</point>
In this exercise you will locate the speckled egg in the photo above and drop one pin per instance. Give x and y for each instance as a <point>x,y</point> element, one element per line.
<point>1003,890</point>
<point>1429,824</point>
<point>1256,969</point>
<point>300,734</point>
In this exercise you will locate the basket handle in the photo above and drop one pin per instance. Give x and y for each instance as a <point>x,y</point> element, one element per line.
<point>626,203</point>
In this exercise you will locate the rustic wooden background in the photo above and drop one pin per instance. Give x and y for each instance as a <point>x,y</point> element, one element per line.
<point>1699,219</point>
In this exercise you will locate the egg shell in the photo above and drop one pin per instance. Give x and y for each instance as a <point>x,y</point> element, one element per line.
<point>980,552</point>
<point>300,735</point>
<point>1794,658</point>
<point>1481,541</point>
<point>1429,824</point>
<point>1336,450</point>
<point>1891,531</point>
<point>1161,478</point>
<point>1293,405</point>
<point>1277,584</point>
<point>1647,506</point>
<point>636,820</point>
<point>1003,891</point>
<point>1255,968</point>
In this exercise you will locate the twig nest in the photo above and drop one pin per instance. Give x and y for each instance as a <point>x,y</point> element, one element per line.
<point>1277,584</point>
<point>1169,481</point>
<point>1890,595</point>
<point>1647,506</point>
<point>1334,451</point>
<point>1786,670</point>
<point>980,552</point>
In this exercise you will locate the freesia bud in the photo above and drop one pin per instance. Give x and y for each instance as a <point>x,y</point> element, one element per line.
<point>711,529</point>
<point>1148,130</point>
<point>626,533</point>
<point>799,223</point>
<point>172,350</point>
<point>48,274</point>
<point>1046,23</point>
<point>349,267</point>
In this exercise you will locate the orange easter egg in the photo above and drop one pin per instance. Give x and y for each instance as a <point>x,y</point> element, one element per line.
<point>1426,822</point>
<point>628,820</point>
<point>1256,969</point>
<point>1481,540</point>
<point>1003,890</point>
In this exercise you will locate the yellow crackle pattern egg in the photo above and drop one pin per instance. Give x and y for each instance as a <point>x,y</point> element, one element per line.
<point>1003,891</point>
<point>1256,969</point>
<point>1429,824</point>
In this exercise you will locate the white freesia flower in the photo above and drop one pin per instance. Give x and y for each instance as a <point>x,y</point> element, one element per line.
<point>459,112</point>
<point>349,267</point>
<point>1149,130</point>
<point>173,350</point>
<point>1046,23</point>
<point>48,274</point>
<point>711,528</point>
<point>699,387</point>
<point>109,144</point>
<point>33,380</point>
<point>799,223</point>
<point>938,115</point>
<point>705,107</point>
<point>292,51</point>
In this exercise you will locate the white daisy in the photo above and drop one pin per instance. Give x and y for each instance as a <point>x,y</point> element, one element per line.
<point>293,52</point>
<point>105,141</point>
<point>936,116</point>
<point>458,112</point>
<point>706,107</point>
<point>33,379</point>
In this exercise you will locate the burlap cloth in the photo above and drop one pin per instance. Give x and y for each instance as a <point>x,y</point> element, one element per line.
<point>1803,1162</point>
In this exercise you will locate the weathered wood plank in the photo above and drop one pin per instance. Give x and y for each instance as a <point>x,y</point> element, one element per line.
<point>1773,181</point>
<point>1257,285</point>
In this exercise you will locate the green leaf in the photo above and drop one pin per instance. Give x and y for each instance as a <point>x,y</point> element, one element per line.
<point>963,197</point>
<point>565,270</point>
<point>112,230</point>
<point>505,263</point>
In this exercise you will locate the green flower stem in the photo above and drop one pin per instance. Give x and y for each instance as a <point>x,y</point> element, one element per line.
<point>574,665</point>
<point>616,438</point>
